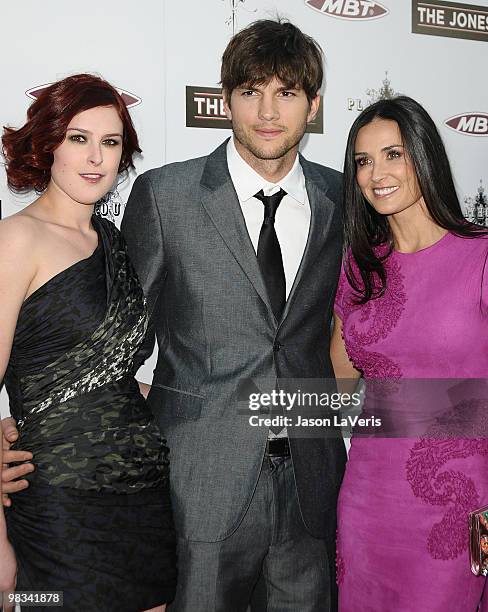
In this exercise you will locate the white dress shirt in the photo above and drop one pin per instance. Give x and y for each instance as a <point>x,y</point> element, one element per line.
<point>292,220</point>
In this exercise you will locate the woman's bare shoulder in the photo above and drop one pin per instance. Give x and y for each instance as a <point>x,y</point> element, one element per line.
<point>19,225</point>
<point>20,234</point>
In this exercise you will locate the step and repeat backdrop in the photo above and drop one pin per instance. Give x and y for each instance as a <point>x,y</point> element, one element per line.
<point>164,55</point>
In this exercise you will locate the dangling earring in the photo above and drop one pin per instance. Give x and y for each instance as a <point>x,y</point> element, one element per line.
<point>110,206</point>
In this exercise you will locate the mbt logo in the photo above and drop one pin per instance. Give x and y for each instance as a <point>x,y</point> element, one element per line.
<point>349,9</point>
<point>129,99</point>
<point>473,124</point>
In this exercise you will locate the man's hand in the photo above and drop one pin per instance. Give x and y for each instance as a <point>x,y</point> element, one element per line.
<point>10,484</point>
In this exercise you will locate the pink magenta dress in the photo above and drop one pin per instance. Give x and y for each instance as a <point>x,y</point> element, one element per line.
<point>404,503</point>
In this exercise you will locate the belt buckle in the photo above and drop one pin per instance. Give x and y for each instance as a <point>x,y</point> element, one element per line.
<point>277,447</point>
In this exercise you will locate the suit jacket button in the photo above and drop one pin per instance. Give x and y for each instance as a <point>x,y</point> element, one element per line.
<point>277,346</point>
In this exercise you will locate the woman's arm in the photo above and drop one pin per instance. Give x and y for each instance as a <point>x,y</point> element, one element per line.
<point>346,374</point>
<point>8,564</point>
<point>17,270</point>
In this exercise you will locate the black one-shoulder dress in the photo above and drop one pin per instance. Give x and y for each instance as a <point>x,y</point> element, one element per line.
<point>95,522</point>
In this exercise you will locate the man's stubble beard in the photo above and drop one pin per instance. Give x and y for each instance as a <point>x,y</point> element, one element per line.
<point>282,149</point>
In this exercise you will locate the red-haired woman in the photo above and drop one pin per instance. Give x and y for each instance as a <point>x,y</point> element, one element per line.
<point>95,521</point>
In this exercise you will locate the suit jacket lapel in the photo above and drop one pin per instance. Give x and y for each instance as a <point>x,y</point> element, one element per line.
<point>220,200</point>
<point>321,208</point>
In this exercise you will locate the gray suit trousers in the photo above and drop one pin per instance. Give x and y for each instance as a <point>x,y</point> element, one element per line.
<point>271,544</point>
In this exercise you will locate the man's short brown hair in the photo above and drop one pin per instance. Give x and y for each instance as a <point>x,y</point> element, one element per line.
<point>267,49</point>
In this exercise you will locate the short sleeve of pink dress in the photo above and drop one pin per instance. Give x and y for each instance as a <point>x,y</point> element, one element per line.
<point>404,503</point>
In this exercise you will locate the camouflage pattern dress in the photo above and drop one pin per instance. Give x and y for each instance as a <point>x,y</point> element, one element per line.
<point>96,520</point>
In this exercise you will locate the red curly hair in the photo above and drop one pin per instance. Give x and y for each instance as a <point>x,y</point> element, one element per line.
<point>28,151</point>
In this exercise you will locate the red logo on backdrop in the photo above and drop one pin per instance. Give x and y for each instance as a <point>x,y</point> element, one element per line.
<point>349,9</point>
<point>129,99</point>
<point>473,124</point>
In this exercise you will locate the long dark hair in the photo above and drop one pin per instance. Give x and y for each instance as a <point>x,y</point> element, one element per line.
<point>364,228</point>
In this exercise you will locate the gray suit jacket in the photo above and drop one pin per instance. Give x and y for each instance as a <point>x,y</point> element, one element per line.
<point>214,326</point>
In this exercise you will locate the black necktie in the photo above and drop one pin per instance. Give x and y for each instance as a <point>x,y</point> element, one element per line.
<point>269,253</point>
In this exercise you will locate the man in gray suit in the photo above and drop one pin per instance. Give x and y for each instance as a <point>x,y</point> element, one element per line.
<point>239,255</point>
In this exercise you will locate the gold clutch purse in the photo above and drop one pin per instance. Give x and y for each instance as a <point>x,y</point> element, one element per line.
<point>478,541</point>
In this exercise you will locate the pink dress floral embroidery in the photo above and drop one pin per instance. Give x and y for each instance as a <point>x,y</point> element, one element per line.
<point>404,502</point>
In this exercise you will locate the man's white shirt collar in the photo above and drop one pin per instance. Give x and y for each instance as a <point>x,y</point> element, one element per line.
<point>248,182</point>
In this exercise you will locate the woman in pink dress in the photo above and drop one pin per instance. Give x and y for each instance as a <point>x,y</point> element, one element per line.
<point>412,305</point>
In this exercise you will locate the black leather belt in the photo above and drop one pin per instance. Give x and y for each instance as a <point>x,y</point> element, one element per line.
<point>278,447</point>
